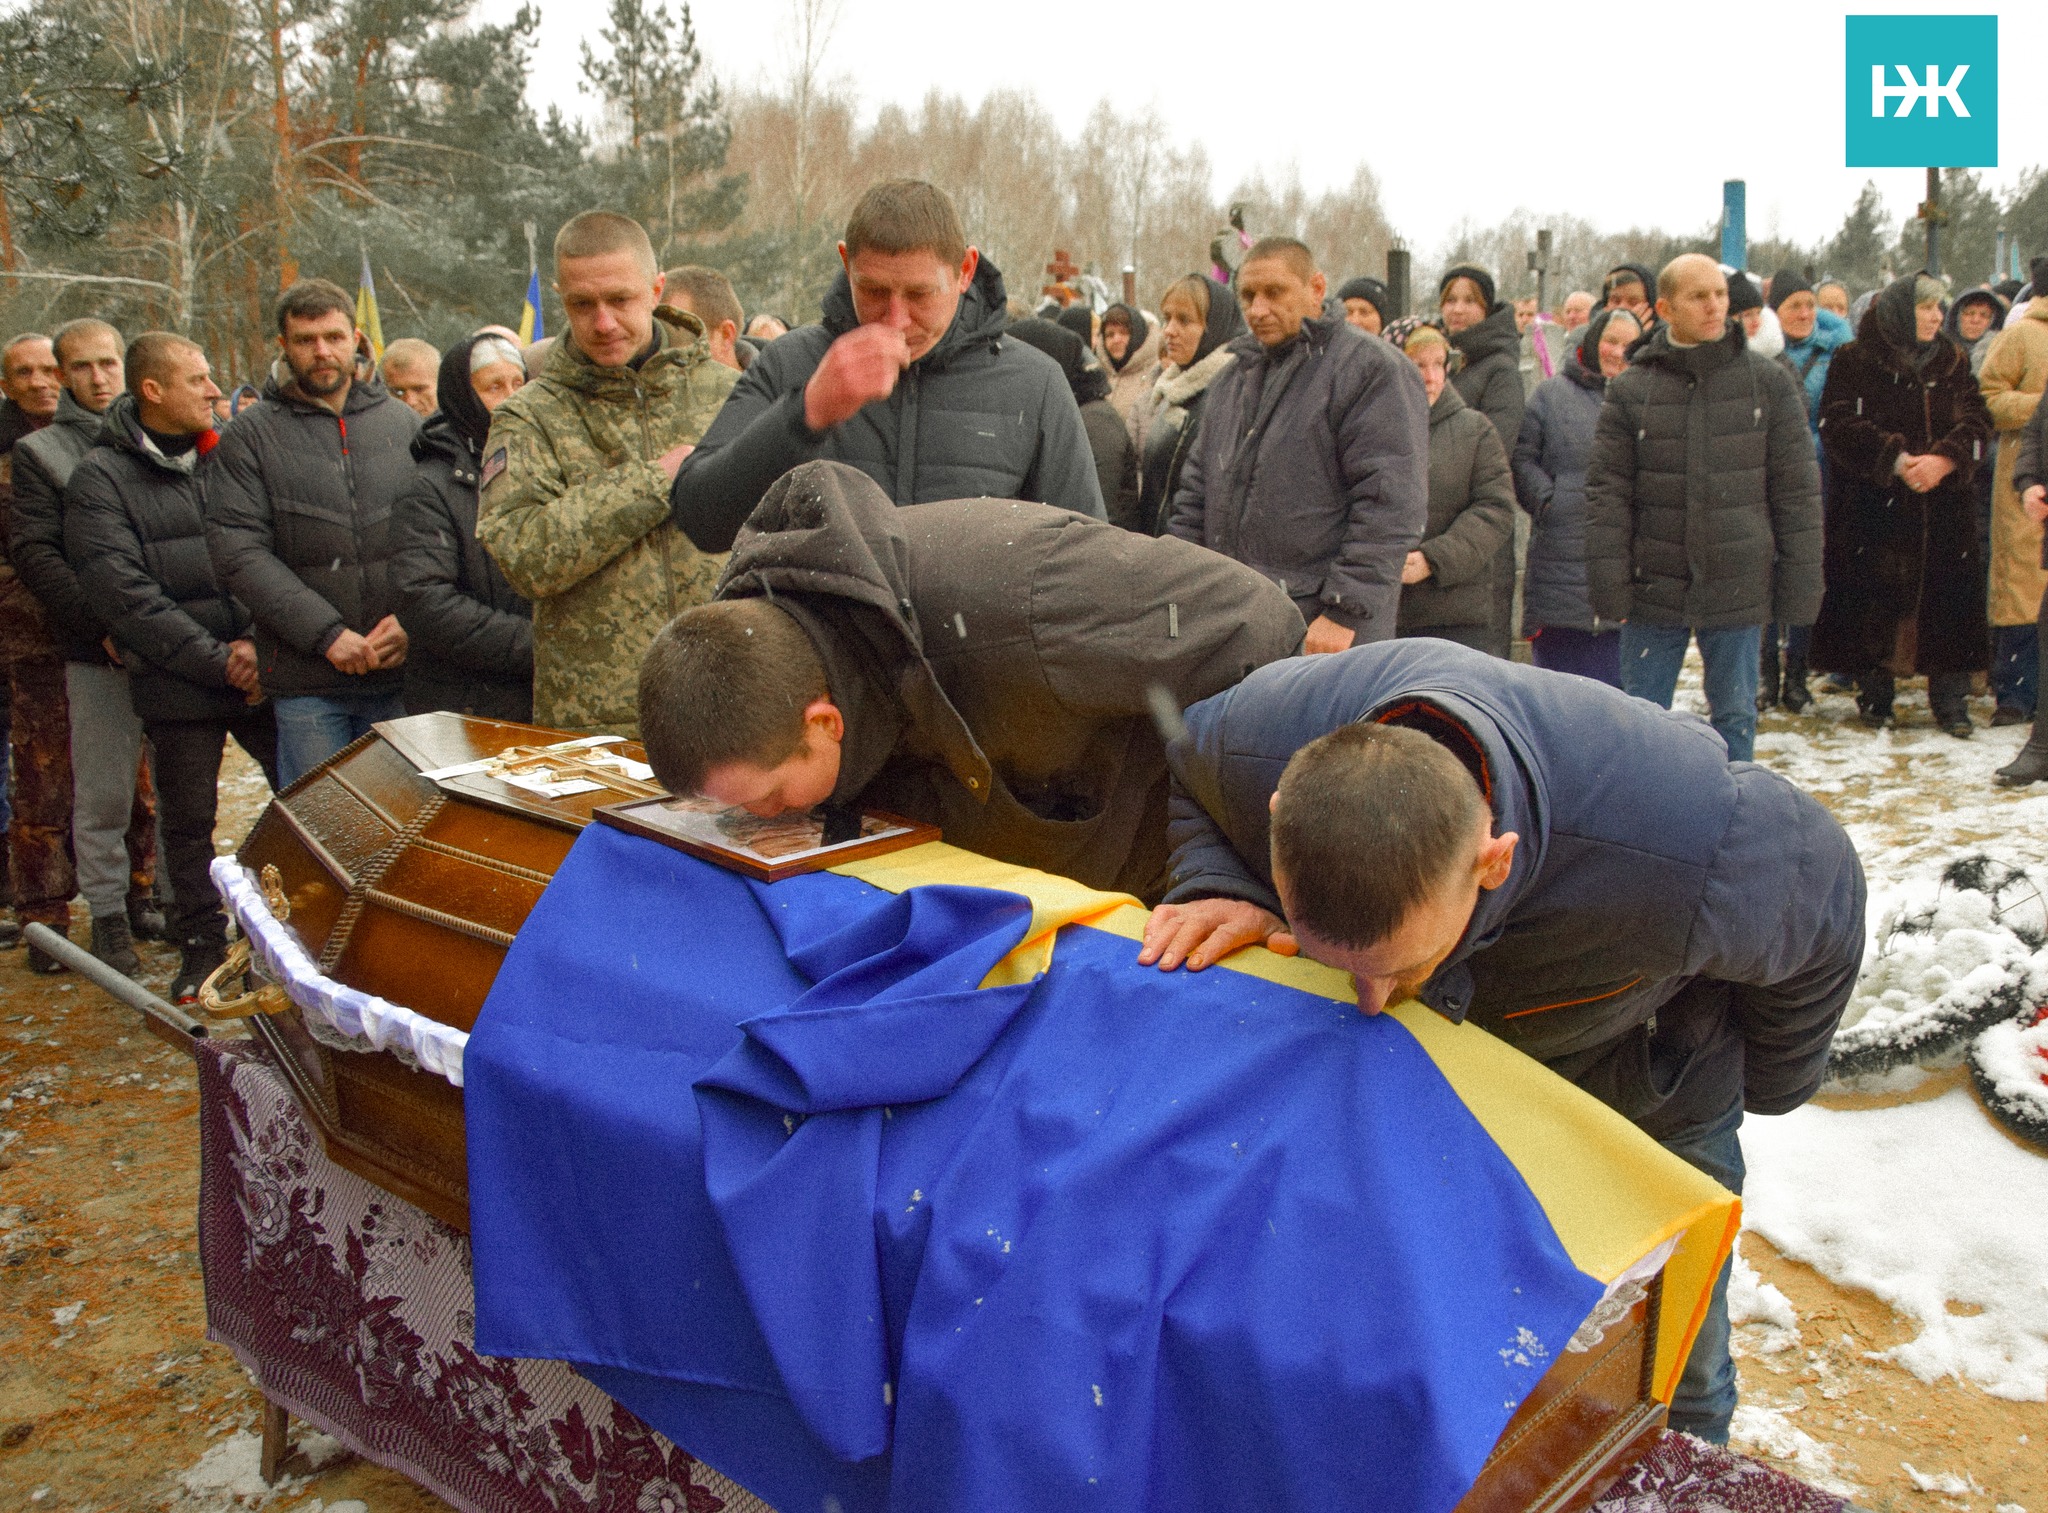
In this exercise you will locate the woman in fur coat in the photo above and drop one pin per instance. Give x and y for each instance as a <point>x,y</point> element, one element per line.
<point>1904,428</point>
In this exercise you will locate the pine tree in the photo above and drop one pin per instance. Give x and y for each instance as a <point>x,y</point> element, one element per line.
<point>1856,252</point>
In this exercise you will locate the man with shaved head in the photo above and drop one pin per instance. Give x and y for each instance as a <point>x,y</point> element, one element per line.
<point>574,490</point>
<point>1312,463</point>
<point>133,524</point>
<point>1703,503</point>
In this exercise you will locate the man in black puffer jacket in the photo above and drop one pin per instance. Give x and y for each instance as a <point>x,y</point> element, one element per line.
<point>133,527</point>
<point>1703,508</point>
<point>469,632</point>
<point>909,378</point>
<point>298,519</point>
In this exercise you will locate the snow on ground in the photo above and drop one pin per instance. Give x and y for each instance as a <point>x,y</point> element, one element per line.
<point>1927,1205</point>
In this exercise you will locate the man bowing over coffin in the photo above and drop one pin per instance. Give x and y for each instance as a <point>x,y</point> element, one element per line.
<point>986,665</point>
<point>1581,873</point>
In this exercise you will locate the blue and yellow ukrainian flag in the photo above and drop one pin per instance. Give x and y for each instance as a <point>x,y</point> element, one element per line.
<point>368,321</point>
<point>904,1187</point>
<point>532,327</point>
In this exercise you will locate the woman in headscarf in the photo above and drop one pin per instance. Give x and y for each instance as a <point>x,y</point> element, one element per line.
<point>1977,316</point>
<point>1199,318</point>
<point>1483,331</point>
<point>1551,455</point>
<point>471,635</point>
<point>1904,428</point>
<point>1116,471</point>
<point>1129,349</point>
<point>1447,580</point>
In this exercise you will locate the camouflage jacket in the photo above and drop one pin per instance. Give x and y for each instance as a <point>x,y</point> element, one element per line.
<point>575,512</point>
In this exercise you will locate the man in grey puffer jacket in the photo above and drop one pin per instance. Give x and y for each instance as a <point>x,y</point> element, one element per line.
<point>1313,460</point>
<point>1702,503</point>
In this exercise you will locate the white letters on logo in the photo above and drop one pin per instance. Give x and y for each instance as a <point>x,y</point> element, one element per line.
<point>1910,93</point>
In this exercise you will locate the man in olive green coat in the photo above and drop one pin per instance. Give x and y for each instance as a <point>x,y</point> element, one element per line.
<point>574,502</point>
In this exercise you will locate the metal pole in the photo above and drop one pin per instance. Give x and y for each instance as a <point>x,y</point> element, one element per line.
<point>162,1016</point>
<point>1931,214</point>
<point>1130,286</point>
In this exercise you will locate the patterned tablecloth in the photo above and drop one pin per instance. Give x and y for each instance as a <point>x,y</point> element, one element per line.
<point>353,1311</point>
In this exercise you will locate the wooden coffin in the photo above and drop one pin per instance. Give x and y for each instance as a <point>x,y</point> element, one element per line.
<point>412,890</point>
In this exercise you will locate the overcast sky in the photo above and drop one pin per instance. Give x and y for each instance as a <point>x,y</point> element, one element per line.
<point>1625,112</point>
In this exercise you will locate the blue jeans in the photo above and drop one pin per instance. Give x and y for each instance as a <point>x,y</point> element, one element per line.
<point>1704,1402</point>
<point>1651,656</point>
<point>312,727</point>
<point>2014,664</point>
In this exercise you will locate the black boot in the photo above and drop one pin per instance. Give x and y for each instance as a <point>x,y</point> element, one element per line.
<point>1795,696</point>
<point>1874,693</point>
<point>112,943</point>
<point>1767,692</point>
<point>197,958</point>
<point>41,961</point>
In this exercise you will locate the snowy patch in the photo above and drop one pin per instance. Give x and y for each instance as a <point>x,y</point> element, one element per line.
<point>1770,1433</point>
<point>2010,1065</point>
<point>1946,1482</point>
<point>1773,1326</point>
<point>1921,1205</point>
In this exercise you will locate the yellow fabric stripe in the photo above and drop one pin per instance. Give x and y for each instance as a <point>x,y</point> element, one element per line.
<point>1611,1193</point>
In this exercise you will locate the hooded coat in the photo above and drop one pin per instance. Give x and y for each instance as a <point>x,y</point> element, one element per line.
<point>1471,517</point>
<point>1109,440</point>
<point>976,415</point>
<point>1678,933</point>
<point>471,632</point>
<point>1131,379</point>
<point>133,524</point>
<point>1807,359</point>
<point>43,464</point>
<point>1551,457</point>
<point>298,519</point>
<point>2014,374</point>
<point>993,659</point>
<point>1313,466</point>
<point>1905,574</point>
<point>1703,491</point>
<point>1952,323</point>
<point>574,508</point>
<point>1168,418</point>
<point>1491,379</point>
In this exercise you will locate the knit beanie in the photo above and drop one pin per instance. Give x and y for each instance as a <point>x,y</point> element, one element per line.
<point>1478,276</point>
<point>1371,290</point>
<point>2037,275</point>
<point>1787,282</point>
<point>1743,293</point>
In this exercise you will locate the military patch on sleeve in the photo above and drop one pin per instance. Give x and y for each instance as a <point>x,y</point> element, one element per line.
<point>493,466</point>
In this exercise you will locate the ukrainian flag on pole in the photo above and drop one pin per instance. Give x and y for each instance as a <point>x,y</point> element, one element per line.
<point>531,327</point>
<point>368,321</point>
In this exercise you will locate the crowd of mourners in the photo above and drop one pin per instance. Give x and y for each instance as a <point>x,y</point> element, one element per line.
<point>1222,604</point>
<point>1818,486</point>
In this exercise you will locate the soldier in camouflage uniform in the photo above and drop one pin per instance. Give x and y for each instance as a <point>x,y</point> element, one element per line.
<point>575,482</point>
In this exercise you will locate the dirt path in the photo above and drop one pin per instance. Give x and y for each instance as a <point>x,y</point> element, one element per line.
<point>111,1399</point>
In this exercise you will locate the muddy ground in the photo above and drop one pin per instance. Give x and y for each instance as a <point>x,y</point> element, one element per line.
<point>111,1398</point>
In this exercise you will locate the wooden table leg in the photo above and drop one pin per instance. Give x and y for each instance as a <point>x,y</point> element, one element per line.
<point>276,1446</point>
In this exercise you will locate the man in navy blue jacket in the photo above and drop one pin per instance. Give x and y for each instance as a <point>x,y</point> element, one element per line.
<point>1581,873</point>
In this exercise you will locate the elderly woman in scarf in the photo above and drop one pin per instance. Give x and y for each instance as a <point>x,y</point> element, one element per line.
<point>471,635</point>
<point>1904,428</point>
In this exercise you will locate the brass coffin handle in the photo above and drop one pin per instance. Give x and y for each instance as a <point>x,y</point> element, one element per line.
<point>264,1000</point>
